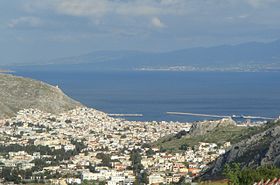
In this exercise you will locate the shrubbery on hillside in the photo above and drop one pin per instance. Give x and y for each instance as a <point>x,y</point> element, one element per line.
<point>245,176</point>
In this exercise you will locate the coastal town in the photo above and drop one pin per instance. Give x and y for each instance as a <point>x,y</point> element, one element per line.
<point>86,146</point>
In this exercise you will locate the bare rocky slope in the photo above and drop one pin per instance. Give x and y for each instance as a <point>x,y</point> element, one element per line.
<point>261,148</point>
<point>216,131</point>
<point>17,93</point>
<point>203,127</point>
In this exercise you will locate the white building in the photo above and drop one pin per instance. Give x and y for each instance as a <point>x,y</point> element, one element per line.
<point>73,181</point>
<point>155,179</point>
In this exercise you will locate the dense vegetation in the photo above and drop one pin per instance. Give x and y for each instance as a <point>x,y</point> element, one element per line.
<point>18,176</point>
<point>138,168</point>
<point>86,182</point>
<point>245,176</point>
<point>60,154</point>
<point>106,159</point>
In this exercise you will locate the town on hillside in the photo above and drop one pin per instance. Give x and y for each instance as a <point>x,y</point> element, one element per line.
<point>85,145</point>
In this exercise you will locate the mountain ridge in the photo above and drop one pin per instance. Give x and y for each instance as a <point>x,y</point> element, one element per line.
<point>17,93</point>
<point>260,149</point>
<point>251,56</point>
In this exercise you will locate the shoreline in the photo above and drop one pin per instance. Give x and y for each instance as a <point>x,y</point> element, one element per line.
<point>6,71</point>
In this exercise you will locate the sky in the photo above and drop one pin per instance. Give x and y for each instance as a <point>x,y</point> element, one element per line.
<point>37,30</point>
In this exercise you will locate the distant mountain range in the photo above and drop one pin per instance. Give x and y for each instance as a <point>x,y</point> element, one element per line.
<point>253,56</point>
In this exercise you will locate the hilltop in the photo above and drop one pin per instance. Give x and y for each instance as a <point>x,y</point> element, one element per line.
<point>17,93</point>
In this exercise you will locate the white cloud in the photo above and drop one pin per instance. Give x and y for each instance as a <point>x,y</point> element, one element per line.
<point>103,7</point>
<point>135,13</point>
<point>89,8</point>
<point>260,3</point>
<point>82,8</point>
<point>25,22</point>
<point>156,22</point>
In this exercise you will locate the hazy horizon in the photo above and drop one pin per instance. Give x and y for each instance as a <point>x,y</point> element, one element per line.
<point>36,30</point>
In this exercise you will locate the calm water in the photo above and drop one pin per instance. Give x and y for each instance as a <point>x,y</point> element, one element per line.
<point>154,93</point>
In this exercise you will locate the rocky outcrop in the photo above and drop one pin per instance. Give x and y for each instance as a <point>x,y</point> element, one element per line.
<point>18,93</point>
<point>203,127</point>
<point>260,149</point>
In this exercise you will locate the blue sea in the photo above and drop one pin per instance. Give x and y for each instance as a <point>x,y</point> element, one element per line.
<point>155,93</point>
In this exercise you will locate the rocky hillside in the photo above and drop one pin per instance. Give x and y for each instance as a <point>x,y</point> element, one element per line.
<point>261,148</point>
<point>218,131</point>
<point>203,127</point>
<point>18,93</point>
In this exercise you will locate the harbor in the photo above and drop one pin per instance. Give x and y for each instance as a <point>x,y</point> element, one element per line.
<point>219,116</point>
<point>125,115</point>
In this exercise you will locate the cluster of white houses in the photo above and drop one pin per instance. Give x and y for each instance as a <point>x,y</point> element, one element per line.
<point>99,148</point>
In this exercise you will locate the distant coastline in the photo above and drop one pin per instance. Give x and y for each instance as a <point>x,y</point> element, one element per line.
<point>6,71</point>
<point>212,93</point>
<point>211,69</point>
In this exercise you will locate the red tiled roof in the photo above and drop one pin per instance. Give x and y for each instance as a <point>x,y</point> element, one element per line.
<point>275,181</point>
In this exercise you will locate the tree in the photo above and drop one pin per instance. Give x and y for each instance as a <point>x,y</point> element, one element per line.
<point>232,172</point>
<point>146,145</point>
<point>135,158</point>
<point>10,174</point>
<point>186,164</point>
<point>248,175</point>
<point>106,159</point>
<point>150,152</point>
<point>144,177</point>
<point>182,180</point>
<point>138,168</point>
<point>183,147</point>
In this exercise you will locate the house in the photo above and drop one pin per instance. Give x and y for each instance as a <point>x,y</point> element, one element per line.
<point>156,179</point>
<point>176,178</point>
<point>116,180</point>
<point>169,179</point>
<point>93,176</point>
<point>69,147</point>
<point>194,171</point>
<point>74,181</point>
